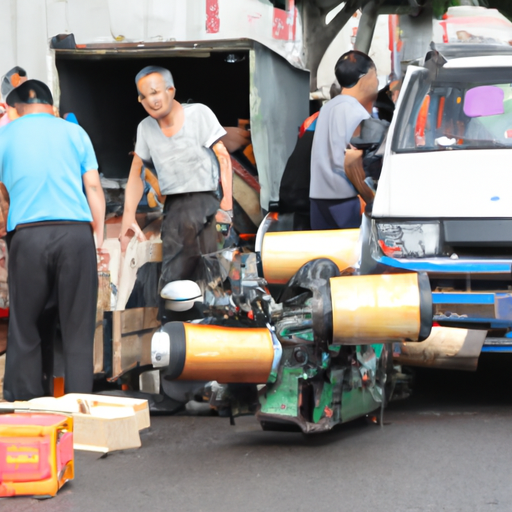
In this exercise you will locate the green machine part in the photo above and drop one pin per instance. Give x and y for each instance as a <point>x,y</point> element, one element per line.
<point>282,398</point>
<point>339,394</point>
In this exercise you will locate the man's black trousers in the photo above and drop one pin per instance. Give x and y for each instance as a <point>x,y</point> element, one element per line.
<point>51,262</point>
<point>188,232</point>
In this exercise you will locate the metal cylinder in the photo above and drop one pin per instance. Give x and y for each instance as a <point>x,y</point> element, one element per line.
<point>224,354</point>
<point>380,308</point>
<point>284,253</point>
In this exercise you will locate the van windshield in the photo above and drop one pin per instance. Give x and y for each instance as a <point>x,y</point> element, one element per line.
<point>460,109</point>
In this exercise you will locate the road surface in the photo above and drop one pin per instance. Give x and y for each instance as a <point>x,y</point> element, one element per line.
<point>446,448</point>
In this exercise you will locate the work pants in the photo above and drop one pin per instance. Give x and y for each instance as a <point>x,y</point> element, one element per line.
<point>51,262</point>
<point>188,231</point>
<point>335,213</point>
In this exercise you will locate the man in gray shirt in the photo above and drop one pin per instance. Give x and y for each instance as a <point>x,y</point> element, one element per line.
<point>177,141</point>
<point>337,175</point>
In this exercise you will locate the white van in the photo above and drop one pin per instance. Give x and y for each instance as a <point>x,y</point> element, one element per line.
<point>444,198</point>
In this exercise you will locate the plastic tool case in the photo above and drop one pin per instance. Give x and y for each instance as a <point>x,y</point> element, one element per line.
<point>36,454</point>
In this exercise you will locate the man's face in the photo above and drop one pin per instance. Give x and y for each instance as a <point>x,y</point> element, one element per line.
<point>155,97</point>
<point>370,83</point>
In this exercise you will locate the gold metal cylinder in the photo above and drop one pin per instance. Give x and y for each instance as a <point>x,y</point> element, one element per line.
<point>283,253</point>
<point>227,354</point>
<point>376,308</point>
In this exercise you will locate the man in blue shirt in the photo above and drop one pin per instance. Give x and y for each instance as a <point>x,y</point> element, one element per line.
<point>46,164</point>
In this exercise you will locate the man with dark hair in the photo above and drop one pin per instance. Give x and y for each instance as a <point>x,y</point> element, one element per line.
<point>46,164</point>
<point>177,141</point>
<point>337,175</point>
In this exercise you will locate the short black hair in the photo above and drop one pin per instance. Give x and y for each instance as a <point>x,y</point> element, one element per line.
<point>31,91</point>
<point>352,66</point>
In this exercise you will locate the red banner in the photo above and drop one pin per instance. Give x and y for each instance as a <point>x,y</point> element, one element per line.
<point>212,17</point>
<point>285,22</point>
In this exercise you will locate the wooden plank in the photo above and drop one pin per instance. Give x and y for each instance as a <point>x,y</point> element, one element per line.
<point>138,319</point>
<point>98,343</point>
<point>136,255</point>
<point>104,291</point>
<point>138,405</point>
<point>116,343</point>
<point>132,333</point>
<point>149,251</point>
<point>150,318</point>
<point>247,198</point>
<point>112,247</point>
<point>116,430</point>
<point>103,304</point>
<point>132,320</point>
<point>136,348</point>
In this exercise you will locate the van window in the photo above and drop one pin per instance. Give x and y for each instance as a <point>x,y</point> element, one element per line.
<point>456,113</point>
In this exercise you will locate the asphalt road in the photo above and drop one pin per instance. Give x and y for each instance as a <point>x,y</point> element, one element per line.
<point>446,448</point>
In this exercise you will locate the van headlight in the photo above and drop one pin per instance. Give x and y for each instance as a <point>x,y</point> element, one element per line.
<point>408,240</point>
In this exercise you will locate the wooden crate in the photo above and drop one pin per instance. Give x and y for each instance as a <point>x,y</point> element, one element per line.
<point>131,338</point>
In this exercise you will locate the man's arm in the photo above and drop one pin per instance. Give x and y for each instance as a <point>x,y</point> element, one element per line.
<point>96,200</point>
<point>226,176</point>
<point>4,209</point>
<point>355,173</point>
<point>132,196</point>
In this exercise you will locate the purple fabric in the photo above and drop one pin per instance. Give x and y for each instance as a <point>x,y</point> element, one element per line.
<point>486,100</point>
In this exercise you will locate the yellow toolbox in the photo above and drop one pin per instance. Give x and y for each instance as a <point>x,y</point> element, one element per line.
<point>36,454</point>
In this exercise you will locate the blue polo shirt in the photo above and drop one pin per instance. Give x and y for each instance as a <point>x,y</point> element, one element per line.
<point>42,160</point>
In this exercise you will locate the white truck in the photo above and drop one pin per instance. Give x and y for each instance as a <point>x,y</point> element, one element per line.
<point>444,199</point>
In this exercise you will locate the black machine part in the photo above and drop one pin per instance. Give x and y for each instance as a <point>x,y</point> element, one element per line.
<point>178,350</point>
<point>314,277</point>
<point>426,306</point>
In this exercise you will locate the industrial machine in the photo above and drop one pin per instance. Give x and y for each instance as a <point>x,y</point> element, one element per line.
<point>306,355</point>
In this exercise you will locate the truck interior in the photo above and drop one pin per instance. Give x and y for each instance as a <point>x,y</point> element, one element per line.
<point>100,90</point>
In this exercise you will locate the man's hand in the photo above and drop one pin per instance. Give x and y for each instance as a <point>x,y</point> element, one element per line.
<point>224,221</point>
<point>355,173</point>
<point>128,232</point>
<point>236,138</point>
<point>224,216</point>
<point>132,194</point>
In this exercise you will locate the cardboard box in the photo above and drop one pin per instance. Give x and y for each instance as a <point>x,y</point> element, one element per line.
<point>101,423</point>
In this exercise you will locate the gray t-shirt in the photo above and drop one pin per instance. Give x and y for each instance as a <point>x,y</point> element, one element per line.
<point>335,126</point>
<point>184,163</point>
